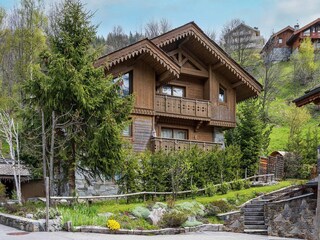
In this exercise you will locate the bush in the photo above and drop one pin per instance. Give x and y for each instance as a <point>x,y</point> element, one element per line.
<point>224,188</point>
<point>237,185</point>
<point>141,212</point>
<point>173,219</point>
<point>210,189</point>
<point>222,205</point>
<point>191,208</point>
<point>212,210</point>
<point>41,213</point>
<point>158,205</point>
<point>194,191</point>
<point>2,192</point>
<point>246,184</point>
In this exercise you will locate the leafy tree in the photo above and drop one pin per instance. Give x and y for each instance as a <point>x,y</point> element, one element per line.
<point>304,63</point>
<point>310,145</point>
<point>89,125</point>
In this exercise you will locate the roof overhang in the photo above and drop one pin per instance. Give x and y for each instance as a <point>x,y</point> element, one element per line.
<point>218,57</point>
<point>310,96</point>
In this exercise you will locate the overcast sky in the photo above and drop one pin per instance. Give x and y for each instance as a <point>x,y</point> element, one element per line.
<point>267,15</point>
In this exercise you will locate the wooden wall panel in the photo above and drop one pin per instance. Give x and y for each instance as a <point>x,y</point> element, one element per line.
<point>142,127</point>
<point>144,85</point>
<point>194,86</point>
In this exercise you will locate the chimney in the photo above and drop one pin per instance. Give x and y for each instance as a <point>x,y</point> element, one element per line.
<point>296,27</point>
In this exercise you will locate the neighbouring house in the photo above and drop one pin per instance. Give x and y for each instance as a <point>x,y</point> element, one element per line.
<point>7,175</point>
<point>185,86</point>
<point>245,36</point>
<point>310,96</point>
<point>276,48</point>
<point>288,40</point>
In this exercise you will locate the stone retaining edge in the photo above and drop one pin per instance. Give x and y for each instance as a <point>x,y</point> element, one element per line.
<point>164,231</point>
<point>21,223</point>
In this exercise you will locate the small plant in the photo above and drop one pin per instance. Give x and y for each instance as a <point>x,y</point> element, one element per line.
<point>210,190</point>
<point>2,192</point>
<point>173,219</point>
<point>113,225</point>
<point>194,191</point>
<point>237,185</point>
<point>222,205</point>
<point>246,184</point>
<point>41,213</point>
<point>224,188</point>
<point>212,210</point>
<point>171,202</point>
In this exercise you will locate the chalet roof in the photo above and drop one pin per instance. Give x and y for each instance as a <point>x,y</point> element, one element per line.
<point>196,39</point>
<point>312,95</point>
<point>6,170</point>
<point>276,34</point>
<point>296,32</point>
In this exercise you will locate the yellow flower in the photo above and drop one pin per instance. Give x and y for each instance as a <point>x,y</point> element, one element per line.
<point>113,225</point>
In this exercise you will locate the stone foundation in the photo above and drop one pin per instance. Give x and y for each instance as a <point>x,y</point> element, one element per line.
<point>291,218</point>
<point>233,221</point>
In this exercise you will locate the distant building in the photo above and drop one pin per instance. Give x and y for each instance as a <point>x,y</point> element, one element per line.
<point>286,41</point>
<point>244,35</point>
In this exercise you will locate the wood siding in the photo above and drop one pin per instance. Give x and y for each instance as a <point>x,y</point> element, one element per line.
<point>141,130</point>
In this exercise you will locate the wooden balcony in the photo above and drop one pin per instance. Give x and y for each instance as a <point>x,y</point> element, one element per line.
<point>192,108</point>
<point>168,144</point>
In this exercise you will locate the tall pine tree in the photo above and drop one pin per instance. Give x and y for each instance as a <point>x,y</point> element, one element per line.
<point>90,113</point>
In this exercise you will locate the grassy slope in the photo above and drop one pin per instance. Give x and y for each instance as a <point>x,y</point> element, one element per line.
<point>82,214</point>
<point>287,93</point>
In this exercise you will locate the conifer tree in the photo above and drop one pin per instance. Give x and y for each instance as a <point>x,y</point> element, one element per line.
<point>89,111</point>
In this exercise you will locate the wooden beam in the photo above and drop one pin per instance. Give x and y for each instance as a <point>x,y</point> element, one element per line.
<point>237,84</point>
<point>194,72</point>
<point>216,66</point>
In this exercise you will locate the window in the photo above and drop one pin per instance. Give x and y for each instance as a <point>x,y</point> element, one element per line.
<point>280,40</point>
<point>307,32</point>
<point>174,133</point>
<point>174,91</point>
<point>127,131</point>
<point>222,95</point>
<point>125,82</point>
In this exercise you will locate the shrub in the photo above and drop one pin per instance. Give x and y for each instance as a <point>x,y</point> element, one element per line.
<point>2,192</point>
<point>224,188</point>
<point>159,205</point>
<point>222,205</point>
<point>173,219</point>
<point>246,184</point>
<point>141,212</point>
<point>170,201</point>
<point>113,225</point>
<point>237,185</point>
<point>41,213</point>
<point>212,210</point>
<point>210,189</point>
<point>191,208</point>
<point>194,191</point>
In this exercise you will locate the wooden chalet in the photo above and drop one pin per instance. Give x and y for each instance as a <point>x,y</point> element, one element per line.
<point>311,96</point>
<point>288,40</point>
<point>185,87</point>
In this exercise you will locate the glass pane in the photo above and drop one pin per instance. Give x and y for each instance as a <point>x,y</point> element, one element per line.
<point>178,92</point>
<point>166,90</point>
<point>166,133</point>
<point>180,134</point>
<point>221,95</point>
<point>127,131</point>
<point>126,84</point>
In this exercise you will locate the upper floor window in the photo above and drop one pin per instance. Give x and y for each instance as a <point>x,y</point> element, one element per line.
<point>125,82</point>
<point>174,90</point>
<point>280,40</point>
<point>307,32</point>
<point>222,95</point>
<point>174,133</point>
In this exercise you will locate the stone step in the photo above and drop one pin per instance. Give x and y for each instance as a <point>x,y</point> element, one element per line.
<point>257,202</point>
<point>248,222</point>
<point>256,231</point>
<point>253,213</point>
<point>253,209</point>
<point>255,226</point>
<point>254,205</point>
<point>253,218</point>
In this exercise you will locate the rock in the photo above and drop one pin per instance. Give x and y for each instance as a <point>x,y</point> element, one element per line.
<point>141,212</point>
<point>191,222</point>
<point>156,215</point>
<point>29,215</point>
<point>106,214</point>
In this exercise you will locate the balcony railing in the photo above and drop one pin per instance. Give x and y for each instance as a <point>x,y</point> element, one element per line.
<point>168,144</point>
<point>182,106</point>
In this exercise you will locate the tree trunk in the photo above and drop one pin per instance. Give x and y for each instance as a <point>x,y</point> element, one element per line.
<point>44,162</point>
<point>51,175</point>
<point>72,172</point>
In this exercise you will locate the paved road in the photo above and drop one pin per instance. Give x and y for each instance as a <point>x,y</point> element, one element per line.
<point>4,231</point>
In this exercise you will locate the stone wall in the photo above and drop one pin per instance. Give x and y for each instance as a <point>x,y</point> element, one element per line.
<point>280,54</point>
<point>291,218</point>
<point>233,221</point>
<point>87,186</point>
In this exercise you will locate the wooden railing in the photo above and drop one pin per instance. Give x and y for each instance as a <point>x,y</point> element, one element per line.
<point>182,106</point>
<point>168,144</point>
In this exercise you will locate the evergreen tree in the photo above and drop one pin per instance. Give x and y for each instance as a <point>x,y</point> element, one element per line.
<point>89,111</point>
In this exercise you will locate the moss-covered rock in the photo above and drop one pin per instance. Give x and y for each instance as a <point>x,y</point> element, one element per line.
<point>141,212</point>
<point>191,208</point>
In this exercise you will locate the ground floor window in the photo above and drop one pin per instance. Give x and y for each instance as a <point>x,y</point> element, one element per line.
<point>127,131</point>
<point>174,133</point>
